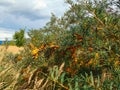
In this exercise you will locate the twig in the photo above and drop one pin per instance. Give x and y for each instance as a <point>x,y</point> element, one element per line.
<point>97,18</point>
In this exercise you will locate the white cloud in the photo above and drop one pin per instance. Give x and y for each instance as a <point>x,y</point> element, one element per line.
<point>39,4</point>
<point>17,14</point>
<point>6,33</point>
<point>6,2</point>
<point>32,9</point>
<point>26,8</point>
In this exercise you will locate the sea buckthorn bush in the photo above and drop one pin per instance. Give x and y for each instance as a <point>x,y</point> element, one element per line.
<point>78,51</point>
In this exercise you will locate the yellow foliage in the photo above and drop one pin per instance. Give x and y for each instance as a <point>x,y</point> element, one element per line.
<point>81,63</point>
<point>117,63</point>
<point>75,59</point>
<point>99,28</point>
<point>36,56</point>
<point>89,63</point>
<point>35,51</point>
<point>31,46</point>
<point>43,46</point>
<point>19,58</point>
<point>96,55</point>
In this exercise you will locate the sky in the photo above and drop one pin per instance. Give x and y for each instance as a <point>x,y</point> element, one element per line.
<point>28,14</point>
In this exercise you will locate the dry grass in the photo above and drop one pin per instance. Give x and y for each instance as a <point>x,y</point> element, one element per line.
<point>8,74</point>
<point>11,49</point>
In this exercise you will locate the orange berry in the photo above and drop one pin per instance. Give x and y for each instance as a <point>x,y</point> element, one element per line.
<point>90,49</point>
<point>68,69</point>
<point>19,58</point>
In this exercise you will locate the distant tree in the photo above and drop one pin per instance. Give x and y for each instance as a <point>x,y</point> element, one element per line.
<point>12,42</point>
<point>19,37</point>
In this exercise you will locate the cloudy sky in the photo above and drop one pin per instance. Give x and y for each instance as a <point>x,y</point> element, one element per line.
<point>17,14</point>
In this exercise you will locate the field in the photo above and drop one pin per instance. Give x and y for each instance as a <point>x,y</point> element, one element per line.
<point>11,49</point>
